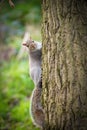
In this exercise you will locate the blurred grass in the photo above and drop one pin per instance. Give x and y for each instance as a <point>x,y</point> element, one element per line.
<point>15,91</point>
<point>16,85</point>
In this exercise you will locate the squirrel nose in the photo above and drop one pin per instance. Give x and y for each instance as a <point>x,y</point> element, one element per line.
<point>25,44</point>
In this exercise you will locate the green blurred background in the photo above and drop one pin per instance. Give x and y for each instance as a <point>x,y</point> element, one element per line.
<point>15,83</point>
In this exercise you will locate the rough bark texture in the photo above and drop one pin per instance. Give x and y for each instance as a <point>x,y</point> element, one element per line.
<point>64,34</point>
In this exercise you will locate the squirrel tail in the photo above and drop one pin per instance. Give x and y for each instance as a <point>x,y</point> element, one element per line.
<point>36,110</point>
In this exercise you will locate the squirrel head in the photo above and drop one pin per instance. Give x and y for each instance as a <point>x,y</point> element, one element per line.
<point>30,44</point>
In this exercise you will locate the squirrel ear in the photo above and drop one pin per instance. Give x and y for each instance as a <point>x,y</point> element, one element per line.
<point>30,38</point>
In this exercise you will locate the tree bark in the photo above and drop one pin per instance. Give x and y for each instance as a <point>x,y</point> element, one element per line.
<point>64,37</point>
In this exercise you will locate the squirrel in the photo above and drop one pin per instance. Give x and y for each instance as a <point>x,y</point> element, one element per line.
<point>35,53</point>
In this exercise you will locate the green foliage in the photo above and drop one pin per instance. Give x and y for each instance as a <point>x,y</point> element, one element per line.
<point>15,91</point>
<point>21,112</point>
<point>24,12</point>
<point>15,83</point>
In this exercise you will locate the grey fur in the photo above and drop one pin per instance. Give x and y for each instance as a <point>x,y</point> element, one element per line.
<point>35,65</point>
<point>36,109</point>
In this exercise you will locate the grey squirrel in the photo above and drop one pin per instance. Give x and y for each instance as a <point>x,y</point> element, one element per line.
<point>35,54</point>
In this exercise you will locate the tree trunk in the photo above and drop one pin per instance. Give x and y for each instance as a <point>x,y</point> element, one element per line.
<point>64,35</point>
